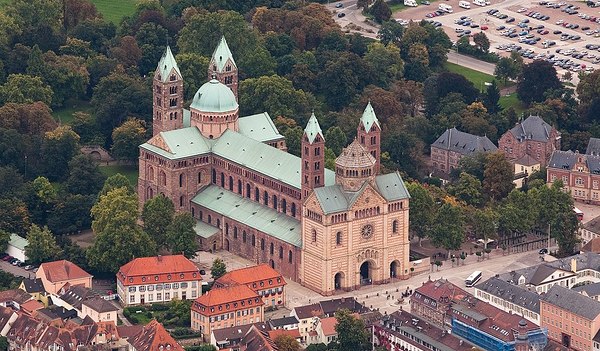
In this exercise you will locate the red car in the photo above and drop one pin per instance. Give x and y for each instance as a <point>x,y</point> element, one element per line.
<point>484,27</point>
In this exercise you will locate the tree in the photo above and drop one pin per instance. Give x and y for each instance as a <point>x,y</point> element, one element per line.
<point>423,207</point>
<point>25,89</point>
<point>42,246</point>
<point>385,62</point>
<point>128,52</point>
<point>218,269</point>
<point>588,90</point>
<point>485,222</point>
<point>335,139</point>
<point>482,42</point>
<point>157,215</point>
<point>76,11</point>
<point>118,237</point>
<point>342,77</point>
<point>181,236</point>
<point>498,176</point>
<point>193,67</point>
<point>390,32</point>
<point>71,213</point>
<point>381,11</point>
<point>4,238</point>
<point>59,147</point>
<point>114,182</point>
<point>506,69</point>
<point>468,189</point>
<point>151,38</point>
<point>127,138</point>
<point>14,216</point>
<point>535,80</point>
<point>492,98</point>
<point>352,334</point>
<point>286,342</point>
<point>84,176</point>
<point>448,231</point>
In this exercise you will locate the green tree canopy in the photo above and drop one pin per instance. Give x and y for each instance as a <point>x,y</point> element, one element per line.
<point>381,11</point>
<point>286,342</point>
<point>157,215</point>
<point>42,245</point>
<point>24,89</point>
<point>218,269</point>
<point>181,236</point>
<point>127,138</point>
<point>448,230</point>
<point>114,182</point>
<point>193,67</point>
<point>84,176</point>
<point>467,189</point>
<point>352,334</point>
<point>59,147</point>
<point>385,62</point>
<point>535,80</point>
<point>423,209</point>
<point>498,176</point>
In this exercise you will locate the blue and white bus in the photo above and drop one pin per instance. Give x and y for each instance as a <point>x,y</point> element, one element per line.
<point>473,279</point>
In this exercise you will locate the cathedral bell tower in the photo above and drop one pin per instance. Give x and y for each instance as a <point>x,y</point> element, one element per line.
<point>167,92</point>
<point>223,68</point>
<point>313,157</point>
<point>369,135</point>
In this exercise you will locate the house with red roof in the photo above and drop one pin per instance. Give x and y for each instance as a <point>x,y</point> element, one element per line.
<point>158,279</point>
<point>226,307</point>
<point>263,279</point>
<point>153,337</point>
<point>56,274</point>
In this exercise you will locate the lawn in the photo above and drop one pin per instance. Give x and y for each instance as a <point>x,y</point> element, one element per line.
<point>65,114</point>
<point>512,100</point>
<point>398,5</point>
<point>114,10</point>
<point>131,172</point>
<point>477,78</point>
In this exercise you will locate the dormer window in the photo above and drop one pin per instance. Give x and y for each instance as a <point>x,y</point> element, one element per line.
<point>173,77</point>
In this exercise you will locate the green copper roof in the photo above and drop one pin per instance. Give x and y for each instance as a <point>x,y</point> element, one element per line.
<point>185,142</point>
<point>250,213</point>
<point>259,127</point>
<point>391,186</point>
<point>205,230</point>
<point>313,129</point>
<point>222,54</point>
<point>166,64</point>
<point>263,158</point>
<point>18,242</point>
<point>368,117</point>
<point>214,96</point>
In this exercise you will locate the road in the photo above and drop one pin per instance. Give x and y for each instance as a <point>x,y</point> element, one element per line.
<point>472,63</point>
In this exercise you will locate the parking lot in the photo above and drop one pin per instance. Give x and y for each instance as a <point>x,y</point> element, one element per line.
<point>555,31</point>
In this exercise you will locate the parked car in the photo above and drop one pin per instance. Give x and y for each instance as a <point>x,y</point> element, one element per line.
<point>28,267</point>
<point>338,5</point>
<point>202,272</point>
<point>341,14</point>
<point>543,251</point>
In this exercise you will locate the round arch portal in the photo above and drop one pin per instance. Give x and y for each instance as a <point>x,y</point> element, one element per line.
<point>338,281</point>
<point>366,270</point>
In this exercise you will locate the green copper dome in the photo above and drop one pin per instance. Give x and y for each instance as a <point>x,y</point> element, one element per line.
<point>214,97</point>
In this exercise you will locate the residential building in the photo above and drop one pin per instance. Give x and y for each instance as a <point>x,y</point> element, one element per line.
<point>589,290</point>
<point>230,338</point>
<point>404,331</point>
<point>158,279</point>
<point>56,274</point>
<point>533,137</point>
<point>35,288</point>
<point>579,173</point>
<point>592,245</point>
<point>572,319</point>
<point>541,278</point>
<point>7,318</point>
<point>14,298</point>
<point>99,310</point>
<point>16,247</point>
<point>524,167</point>
<point>492,329</point>
<point>327,230</point>
<point>153,337</point>
<point>264,280</point>
<point>325,330</point>
<point>274,333</point>
<point>226,307</point>
<point>433,299</point>
<point>71,297</point>
<point>257,340</point>
<point>510,298</point>
<point>589,230</point>
<point>453,145</point>
<point>284,323</point>
<point>593,147</point>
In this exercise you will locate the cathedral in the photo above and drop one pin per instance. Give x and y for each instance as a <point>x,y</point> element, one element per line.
<point>328,230</point>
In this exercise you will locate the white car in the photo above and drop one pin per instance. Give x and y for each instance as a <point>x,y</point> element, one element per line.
<point>560,22</point>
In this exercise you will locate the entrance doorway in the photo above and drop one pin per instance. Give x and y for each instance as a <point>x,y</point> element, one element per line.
<point>366,273</point>
<point>226,245</point>
<point>394,269</point>
<point>339,281</point>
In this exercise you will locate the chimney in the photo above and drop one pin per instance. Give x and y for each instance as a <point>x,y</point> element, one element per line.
<point>574,265</point>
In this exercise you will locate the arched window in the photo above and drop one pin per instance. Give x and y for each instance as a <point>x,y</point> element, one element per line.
<point>283,205</point>
<point>338,238</point>
<point>244,236</point>
<point>275,202</point>
<point>162,178</point>
<point>290,258</point>
<point>395,226</point>
<point>181,200</point>
<point>151,173</point>
<point>239,187</point>
<point>272,249</point>
<point>266,198</point>
<point>226,229</point>
<point>214,176</point>
<point>218,223</point>
<point>262,244</point>
<point>256,194</point>
<point>293,209</point>
<point>235,232</point>
<point>230,183</point>
<point>181,180</point>
<point>199,177</point>
<point>193,212</point>
<point>209,219</point>
<point>248,190</point>
<point>222,180</point>
<point>281,252</point>
<point>200,216</point>
<point>253,240</point>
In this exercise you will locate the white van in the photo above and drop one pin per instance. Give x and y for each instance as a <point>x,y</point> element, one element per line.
<point>480,2</point>
<point>411,3</point>
<point>464,4</point>
<point>445,8</point>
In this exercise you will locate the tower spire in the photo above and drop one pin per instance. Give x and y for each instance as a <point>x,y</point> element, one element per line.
<point>313,157</point>
<point>167,91</point>
<point>223,67</point>
<point>369,134</point>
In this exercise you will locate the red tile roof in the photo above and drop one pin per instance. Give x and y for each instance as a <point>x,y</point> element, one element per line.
<point>31,305</point>
<point>158,269</point>
<point>63,270</point>
<point>233,297</point>
<point>440,288</point>
<point>328,325</point>
<point>273,334</point>
<point>254,274</point>
<point>154,337</point>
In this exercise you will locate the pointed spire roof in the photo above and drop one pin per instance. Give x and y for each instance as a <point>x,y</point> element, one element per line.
<point>368,117</point>
<point>166,64</point>
<point>313,129</point>
<point>221,54</point>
